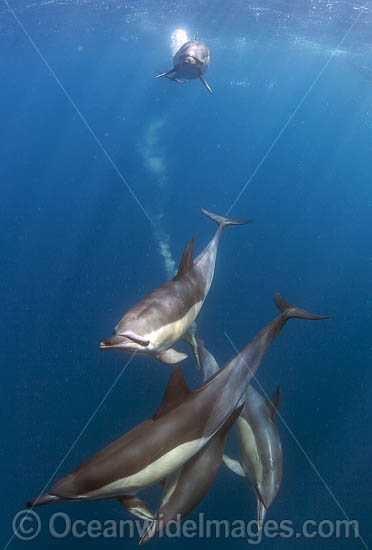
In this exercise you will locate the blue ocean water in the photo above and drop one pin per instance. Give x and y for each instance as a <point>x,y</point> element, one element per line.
<point>292,108</point>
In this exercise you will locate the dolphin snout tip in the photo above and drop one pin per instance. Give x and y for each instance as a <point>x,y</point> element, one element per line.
<point>103,344</point>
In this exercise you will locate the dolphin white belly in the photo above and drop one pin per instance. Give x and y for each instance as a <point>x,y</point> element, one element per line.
<point>153,473</point>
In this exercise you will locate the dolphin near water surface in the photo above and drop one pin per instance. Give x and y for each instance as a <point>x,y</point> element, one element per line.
<point>190,61</point>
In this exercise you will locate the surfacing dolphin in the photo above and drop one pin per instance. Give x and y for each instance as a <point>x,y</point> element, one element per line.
<point>186,421</point>
<point>191,61</point>
<point>157,321</point>
<point>186,487</point>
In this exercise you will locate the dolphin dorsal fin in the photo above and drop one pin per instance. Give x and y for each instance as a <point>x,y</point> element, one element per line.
<point>187,260</point>
<point>273,403</point>
<point>177,390</point>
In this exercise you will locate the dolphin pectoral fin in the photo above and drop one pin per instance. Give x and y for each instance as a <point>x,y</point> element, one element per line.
<point>233,465</point>
<point>206,84</point>
<point>136,506</point>
<point>173,70</point>
<point>171,356</point>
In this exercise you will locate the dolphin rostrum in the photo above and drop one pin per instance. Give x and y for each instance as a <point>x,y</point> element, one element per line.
<point>157,321</point>
<point>186,486</point>
<point>190,61</point>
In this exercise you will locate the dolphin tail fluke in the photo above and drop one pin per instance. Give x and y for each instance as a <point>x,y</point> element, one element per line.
<point>222,221</point>
<point>46,498</point>
<point>170,356</point>
<point>291,311</point>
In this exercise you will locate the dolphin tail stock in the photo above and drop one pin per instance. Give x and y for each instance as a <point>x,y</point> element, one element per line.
<point>223,221</point>
<point>291,311</point>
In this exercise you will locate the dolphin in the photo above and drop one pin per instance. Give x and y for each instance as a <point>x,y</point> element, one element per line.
<point>258,437</point>
<point>149,452</point>
<point>186,486</point>
<point>260,449</point>
<point>157,321</point>
<point>186,421</point>
<point>190,61</point>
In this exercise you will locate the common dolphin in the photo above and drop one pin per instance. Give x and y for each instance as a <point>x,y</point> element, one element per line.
<point>184,424</point>
<point>224,392</point>
<point>261,457</point>
<point>190,61</point>
<point>186,421</point>
<point>258,437</point>
<point>157,321</point>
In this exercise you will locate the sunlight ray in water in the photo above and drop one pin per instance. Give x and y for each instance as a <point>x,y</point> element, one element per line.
<point>178,38</point>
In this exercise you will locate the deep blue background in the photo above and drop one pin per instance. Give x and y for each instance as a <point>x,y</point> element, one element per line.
<point>77,251</point>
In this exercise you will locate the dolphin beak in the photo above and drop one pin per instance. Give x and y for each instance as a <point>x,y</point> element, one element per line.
<point>261,513</point>
<point>112,342</point>
<point>104,344</point>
